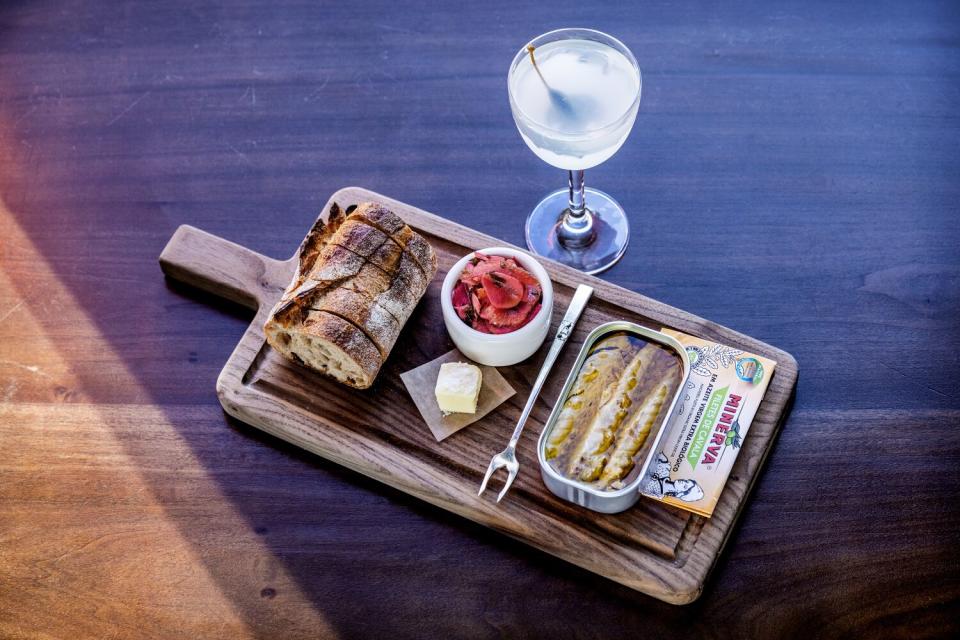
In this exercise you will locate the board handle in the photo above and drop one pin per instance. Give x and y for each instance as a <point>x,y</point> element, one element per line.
<point>223,268</point>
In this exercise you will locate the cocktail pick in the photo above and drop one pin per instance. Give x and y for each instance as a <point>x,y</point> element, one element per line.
<point>556,98</point>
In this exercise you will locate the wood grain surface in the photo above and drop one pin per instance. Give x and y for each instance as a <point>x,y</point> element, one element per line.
<point>656,549</point>
<point>792,175</point>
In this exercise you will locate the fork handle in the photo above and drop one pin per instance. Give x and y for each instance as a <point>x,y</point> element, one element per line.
<point>577,304</point>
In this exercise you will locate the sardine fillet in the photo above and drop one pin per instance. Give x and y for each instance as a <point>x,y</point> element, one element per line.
<point>590,457</point>
<point>633,436</point>
<point>592,386</point>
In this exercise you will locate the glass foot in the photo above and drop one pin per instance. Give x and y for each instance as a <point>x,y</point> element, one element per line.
<point>611,231</point>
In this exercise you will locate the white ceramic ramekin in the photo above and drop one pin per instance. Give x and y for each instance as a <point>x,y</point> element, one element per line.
<point>498,350</point>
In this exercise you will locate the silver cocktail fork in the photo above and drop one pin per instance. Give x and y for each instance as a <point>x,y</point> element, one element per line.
<point>508,458</point>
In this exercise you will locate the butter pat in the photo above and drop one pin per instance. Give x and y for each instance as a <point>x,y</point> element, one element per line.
<point>458,387</point>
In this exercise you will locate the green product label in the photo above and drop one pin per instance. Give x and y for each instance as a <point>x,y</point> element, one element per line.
<point>706,426</point>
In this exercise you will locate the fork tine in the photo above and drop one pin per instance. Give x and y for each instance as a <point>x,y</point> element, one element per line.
<point>506,486</point>
<point>493,467</point>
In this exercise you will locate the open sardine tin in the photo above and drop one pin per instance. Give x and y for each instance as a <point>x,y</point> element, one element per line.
<point>591,495</point>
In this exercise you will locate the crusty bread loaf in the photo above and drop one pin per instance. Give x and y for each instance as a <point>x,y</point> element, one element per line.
<point>359,278</point>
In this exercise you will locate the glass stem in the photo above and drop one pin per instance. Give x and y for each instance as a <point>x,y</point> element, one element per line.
<point>577,185</point>
<point>576,229</point>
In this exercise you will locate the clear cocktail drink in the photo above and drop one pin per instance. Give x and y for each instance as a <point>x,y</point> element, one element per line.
<point>574,94</point>
<point>586,111</point>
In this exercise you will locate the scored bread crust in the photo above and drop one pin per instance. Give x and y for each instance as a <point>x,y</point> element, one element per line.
<point>421,251</point>
<point>405,289</point>
<point>379,216</point>
<point>387,257</point>
<point>379,325</point>
<point>358,280</point>
<point>376,215</point>
<point>335,264</point>
<point>359,237</point>
<point>318,237</point>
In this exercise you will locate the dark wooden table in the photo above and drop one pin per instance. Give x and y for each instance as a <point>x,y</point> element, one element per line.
<point>794,173</point>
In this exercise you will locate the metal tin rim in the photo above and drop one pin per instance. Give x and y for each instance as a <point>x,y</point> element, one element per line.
<point>591,339</point>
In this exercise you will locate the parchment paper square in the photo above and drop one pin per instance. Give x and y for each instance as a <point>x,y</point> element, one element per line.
<point>422,381</point>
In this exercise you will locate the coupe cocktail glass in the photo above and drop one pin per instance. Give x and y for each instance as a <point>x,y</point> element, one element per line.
<point>574,94</point>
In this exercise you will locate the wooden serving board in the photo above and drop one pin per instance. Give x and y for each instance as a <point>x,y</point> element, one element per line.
<point>378,432</point>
